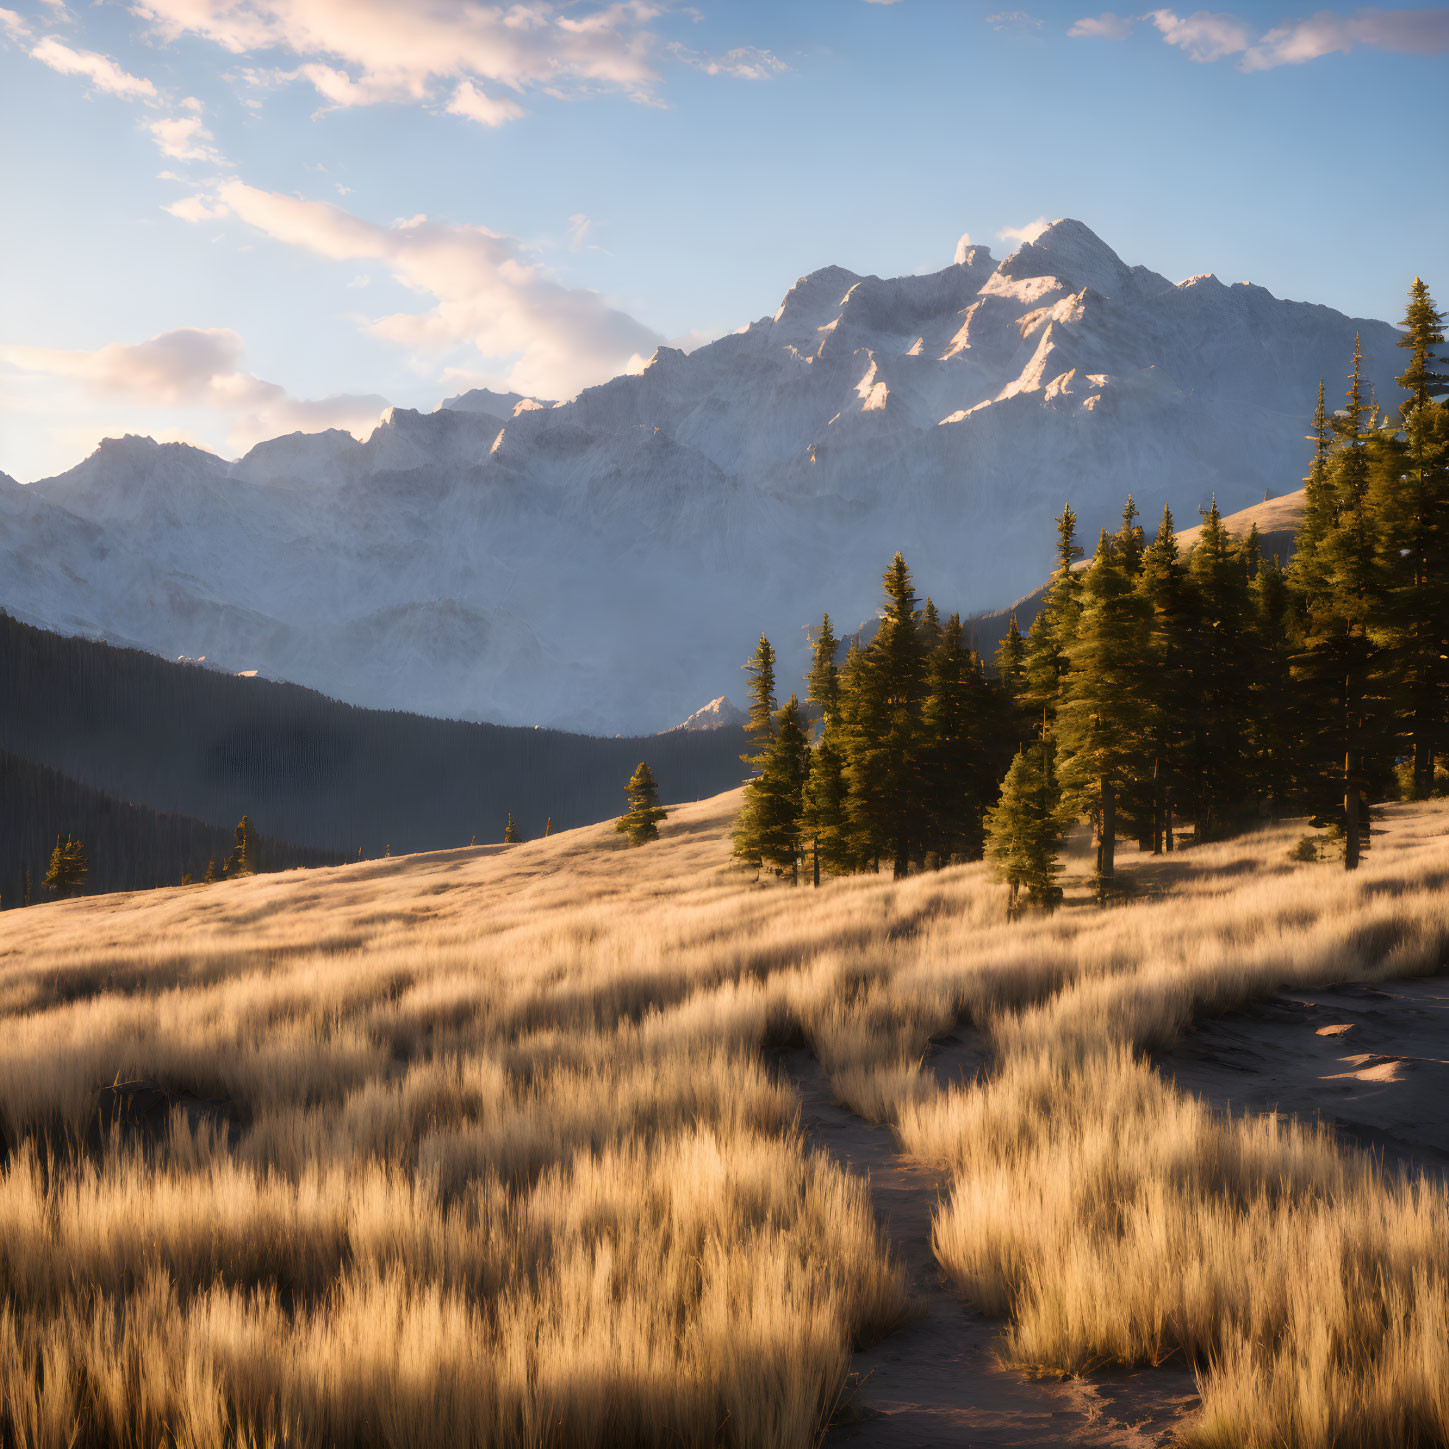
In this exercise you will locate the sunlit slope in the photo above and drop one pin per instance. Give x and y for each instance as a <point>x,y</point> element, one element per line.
<point>491,1146</point>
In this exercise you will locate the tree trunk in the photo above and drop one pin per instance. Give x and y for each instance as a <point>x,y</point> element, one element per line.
<point>1350,812</point>
<point>1157,807</point>
<point>815,859</point>
<point>1107,844</point>
<point>902,861</point>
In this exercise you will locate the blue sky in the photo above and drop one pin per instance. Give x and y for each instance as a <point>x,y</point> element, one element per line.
<point>228,219</point>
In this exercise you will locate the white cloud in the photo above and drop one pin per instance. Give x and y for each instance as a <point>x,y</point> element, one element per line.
<point>1208,36</point>
<point>747,62</point>
<point>13,25</point>
<point>1420,32</point>
<point>487,294</point>
<point>1106,26</point>
<point>487,110</point>
<point>1018,20</point>
<point>195,208</point>
<point>100,70</point>
<point>1205,35</point>
<point>581,231</point>
<point>184,138</point>
<point>363,51</point>
<point>197,367</point>
<point>1027,233</point>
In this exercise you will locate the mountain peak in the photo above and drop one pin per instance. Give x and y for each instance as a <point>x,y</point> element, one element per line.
<point>1071,251</point>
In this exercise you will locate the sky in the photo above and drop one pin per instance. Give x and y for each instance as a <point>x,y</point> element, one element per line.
<point>231,219</point>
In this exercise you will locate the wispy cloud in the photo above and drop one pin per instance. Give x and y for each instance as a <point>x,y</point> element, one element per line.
<point>1027,233</point>
<point>1018,20</point>
<point>488,295</point>
<point>100,70</point>
<point>197,367</point>
<point>746,62</point>
<point>453,53</point>
<point>1106,26</point>
<point>1208,35</point>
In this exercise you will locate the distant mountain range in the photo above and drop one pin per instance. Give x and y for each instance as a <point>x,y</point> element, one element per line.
<point>607,563</point>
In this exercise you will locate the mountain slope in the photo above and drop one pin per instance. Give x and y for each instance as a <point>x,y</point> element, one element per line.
<point>129,847</point>
<point>308,769</point>
<point>605,563</point>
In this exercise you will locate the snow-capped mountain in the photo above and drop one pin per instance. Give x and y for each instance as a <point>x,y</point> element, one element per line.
<point>606,562</point>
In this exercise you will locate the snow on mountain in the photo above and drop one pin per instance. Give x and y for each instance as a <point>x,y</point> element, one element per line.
<point>603,562</point>
<point>718,714</point>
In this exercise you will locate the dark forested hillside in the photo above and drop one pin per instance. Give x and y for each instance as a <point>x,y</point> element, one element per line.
<point>128,847</point>
<point>309,769</point>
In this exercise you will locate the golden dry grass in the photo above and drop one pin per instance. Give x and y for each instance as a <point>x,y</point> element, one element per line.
<point>513,1168</point>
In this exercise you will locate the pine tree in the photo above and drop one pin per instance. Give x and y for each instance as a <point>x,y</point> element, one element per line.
<point>954,717</point>
<point>1338,668</point>
<point>1024,830</point>
<point>641,821</point>
<point>1272,701</point>
<point>761,694</point>
<point>1163,585</point>
<point>1052,630</point>
<point>883,760</point>
<point>1130,541</point>
<point>211,877</point>
<point>510,832</point>
<point>1214,771</point>
<point>767,831</point>
<point>1410,504</point>
<point>823,682</point>
<point>1010,660</point>
<point>1101,719</point>
<point>25,888</point>
<point>242,860</point>
<point>66,874</point>
<point>824,816</point>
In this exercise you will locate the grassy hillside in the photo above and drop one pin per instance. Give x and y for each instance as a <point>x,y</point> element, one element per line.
<point>309,769</point>
<point>495,1146</point>
<point>129,847</point>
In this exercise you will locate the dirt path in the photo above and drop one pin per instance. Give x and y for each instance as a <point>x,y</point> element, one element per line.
<point>937,1380</point>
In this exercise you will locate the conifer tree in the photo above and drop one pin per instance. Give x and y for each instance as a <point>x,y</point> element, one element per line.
<point>1101,719</point>
<point>761,695</point>
<point>211,877</point>
<point>1338,668</point>
<point>767,832</point>
<point>510,831</point>
<point>883,763</point>
<point>242,860</point>
<point>824,817</point>
<point>641,821</point>
<point>1024,830</point>
<point>66,874</point>
<point>1163,585</point>
<point>1215,778</point>
<point>25,888</point>
<point>823,683</point>
<point>1010,660</point>
<point>1130,541</point>
<point>1272,716</point>
<point>1051,631</point>
<point>1411,512</point>
<point>954,717</point>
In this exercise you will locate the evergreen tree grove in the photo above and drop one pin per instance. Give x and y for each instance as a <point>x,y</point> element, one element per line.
<point>1162,688</point>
